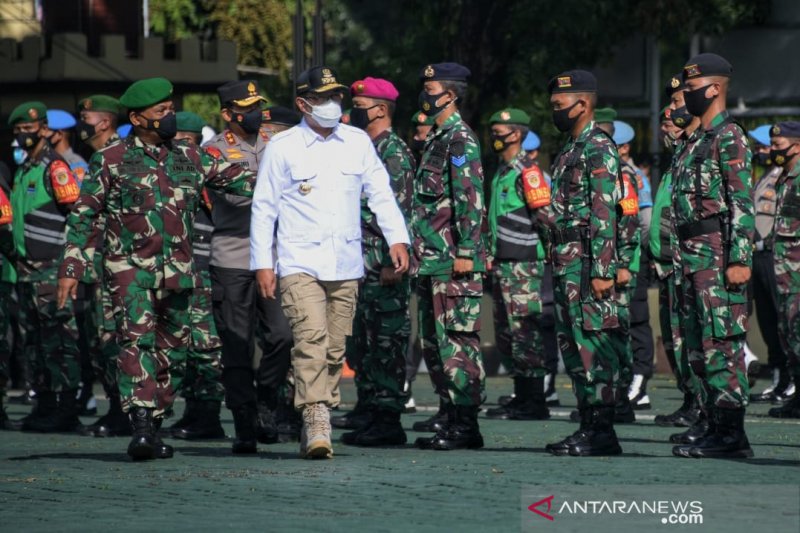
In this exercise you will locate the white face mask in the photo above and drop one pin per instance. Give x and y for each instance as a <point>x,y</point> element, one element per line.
<point>327,115</point>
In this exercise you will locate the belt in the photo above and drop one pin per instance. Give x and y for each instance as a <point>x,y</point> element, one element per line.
<point>564,236</point>
<point>701,227</point>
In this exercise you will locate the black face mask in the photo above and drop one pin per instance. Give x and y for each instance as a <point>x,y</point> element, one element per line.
<point>250,121</point>
<point>762,159</point>
<point>499,142</point>
<point>27,140</point>
<point>427,103</point>
<point>165,127</point>
<point>86,131</point>
<point>696,101</point>
<point>563,121</point>
<point>359,117</point>
<point>681,117</point>
<point>417,145</point>
<point>781,157</point>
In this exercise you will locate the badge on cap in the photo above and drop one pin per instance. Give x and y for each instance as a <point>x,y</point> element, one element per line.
<point>33,113</point>
<point>251,88</point>
<point>422,117</point>
<point>304,188</point>
<point>505,115</point>
<point>675,83</point>
<point>360,88</point>
<point>429,71</point>
<point>564,82</point>
<point>327,76</point>
<point>87,104</point>
<point>776,130</point>
<point>692,71</point>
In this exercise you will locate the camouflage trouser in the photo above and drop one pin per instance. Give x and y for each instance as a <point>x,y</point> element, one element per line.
<point>6,292</point>
<point>590,340</point>
<point>88,319</point>
<point>105,362</point>
<point>449,322</point>
<point>51,337</point>
<point>671,336</point>
<point>715,325</point>
<point>516,291</point>
<point>203,379</point>
<point>153,329</point>
<point>377,349</point>
<point>623,299</point>
<point>789,330</point>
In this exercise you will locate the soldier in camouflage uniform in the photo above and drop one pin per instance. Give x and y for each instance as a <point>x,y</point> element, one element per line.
<point>584,248</point>
<point>382,326</point>
<point>202,386</point>
<point>42,195</point>
<point>6,291</point>
<point>148,186</point>
<point>448,225</point>
<point>713,214</point>
<point>785,152</point>
<point>519,189</point>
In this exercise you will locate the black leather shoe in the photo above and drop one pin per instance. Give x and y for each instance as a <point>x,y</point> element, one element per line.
<point>436,422</point>
<point>63,418</point>
<point>729,441</point>
<point>205,423</point>
<point>244,422</point>
<point>186,419</point>
<point>385,430</point>
<point>694,434</point>
<point>358,418</point>
<point>115,423</point>
<point>623,411</point>
<point>142,445</point>
<point>462,433</point>
<point>790,409</point>
<point>599,439</point>
<point>161,450</point>
<point>685,416</point>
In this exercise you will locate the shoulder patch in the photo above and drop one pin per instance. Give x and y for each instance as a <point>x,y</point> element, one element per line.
<point>6,215</point>
<point>65,186</point>
<point>213,152</point>
<point>394,165</point>
<point>457,148</point>
<point>535,187</point>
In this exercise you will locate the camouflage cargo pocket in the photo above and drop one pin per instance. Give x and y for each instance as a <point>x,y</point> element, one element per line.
<point>598,315</point>
<point>463,311</point>
<point>728,312</point>
<point>524,299</point>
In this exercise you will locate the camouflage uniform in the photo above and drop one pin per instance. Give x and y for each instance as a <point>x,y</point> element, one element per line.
<point>382,326</point>
<point>584,247</point>
<point>713,211</point>
<point>149,195</point>
<point>448,223</point>
<point>517,270</point>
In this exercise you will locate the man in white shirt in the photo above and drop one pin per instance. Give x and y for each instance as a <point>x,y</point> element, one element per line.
<point>310,183</point>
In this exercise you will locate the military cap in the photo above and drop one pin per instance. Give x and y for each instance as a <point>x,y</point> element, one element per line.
<point>623,133</point>
<point>531,142</point>
<point>421,119</point>
<point>573,81</point>
<point>789,128</point>
<point>761,134</point>
<point>242,93</point>
<point>100,102</point>
<point>444,72</point>
<point>58,119</point>
<point>278,114</point>
<point>374,88</point>
<point>188,121</point>
<point>510,115</point>
<point>28,112</point>
<point>318,80</point>
<point>703,65</point>
<point>603,115</point>
<point>674,84</point>
<point>146,93</point>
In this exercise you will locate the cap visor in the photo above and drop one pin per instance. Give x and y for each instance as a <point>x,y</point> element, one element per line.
<point>244,102</point>
<point>331,87</point>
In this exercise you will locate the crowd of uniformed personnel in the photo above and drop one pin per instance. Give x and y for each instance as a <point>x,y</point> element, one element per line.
<point>141,269</point>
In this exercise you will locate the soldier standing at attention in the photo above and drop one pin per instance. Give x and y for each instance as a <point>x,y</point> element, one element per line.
<point>147,187</point>
<point>713,213</point>
<point>584,242</point>
<point>448,225</point>
<point>519,189</point>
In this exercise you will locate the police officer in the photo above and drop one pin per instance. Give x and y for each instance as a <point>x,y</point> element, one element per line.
<point>238,309</point>
<point>713,213</point>
<point>518,188</point>
<point>448,227</point>
<point>583,236</point>
<point>148,187</point>
<point>60,124</point>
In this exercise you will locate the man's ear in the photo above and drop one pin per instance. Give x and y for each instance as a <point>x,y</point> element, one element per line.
<point>134,119</point>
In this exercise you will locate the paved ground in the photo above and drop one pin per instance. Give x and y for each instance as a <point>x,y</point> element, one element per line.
<point>73,483</point>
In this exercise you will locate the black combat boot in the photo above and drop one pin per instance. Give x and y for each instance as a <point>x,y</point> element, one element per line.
<point>729,441</point>
<point>188,417</point>
<point>790,409</point>
<point>384,430</point>
<point>63,418</point>
<point>358,418</point>
<point>562,447</point>
<point>162,451</point>
<point>528,404</point>
<point>623,410</point>
<point>599,438</point>
<point>435,422</point>
<point>6,423</point>
<point>685,416</point>
<point>694,436</point>
<point>45,406</point>
<point>463,433</point>
<point>244,422</point>
<point>445,418</point>
<point>206,423</point>
<point>143,444</point>
<point>114,423</point>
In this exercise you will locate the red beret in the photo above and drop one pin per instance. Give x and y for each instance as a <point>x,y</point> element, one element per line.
<point>374,88</point>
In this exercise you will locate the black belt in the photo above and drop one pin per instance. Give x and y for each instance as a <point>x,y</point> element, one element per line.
<point>564,236</point>
<point>701,227</point>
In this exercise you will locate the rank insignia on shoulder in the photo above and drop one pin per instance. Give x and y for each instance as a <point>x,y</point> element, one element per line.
<point>458,160</point>
<point>213,152</point>
<point>229,138</point>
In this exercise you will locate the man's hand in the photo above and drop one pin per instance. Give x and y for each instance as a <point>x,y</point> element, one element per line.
<point>67,288</point>
<point>462,266</point>
<point>399,254</point>
<point>601,288</point>
<point>737,275</point>
<point>623,277</point>
<point>265,281</point>
<point>389,277</point>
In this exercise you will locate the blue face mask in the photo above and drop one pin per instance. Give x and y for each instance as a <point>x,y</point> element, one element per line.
<point>20,156</point>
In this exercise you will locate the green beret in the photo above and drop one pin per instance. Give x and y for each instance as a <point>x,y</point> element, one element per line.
<point>28,112</point>
<point>511,115</point>
<point>100,102</point>
<point>421,119</point>
<point>191,122</point>
<point>146,93</point>
<point>603,115</point>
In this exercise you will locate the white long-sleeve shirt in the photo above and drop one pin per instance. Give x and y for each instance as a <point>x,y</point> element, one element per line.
<point>311,186</point>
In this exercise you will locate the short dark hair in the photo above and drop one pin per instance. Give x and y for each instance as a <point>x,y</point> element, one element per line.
<point>523,130</point>
<point>458,87</point>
